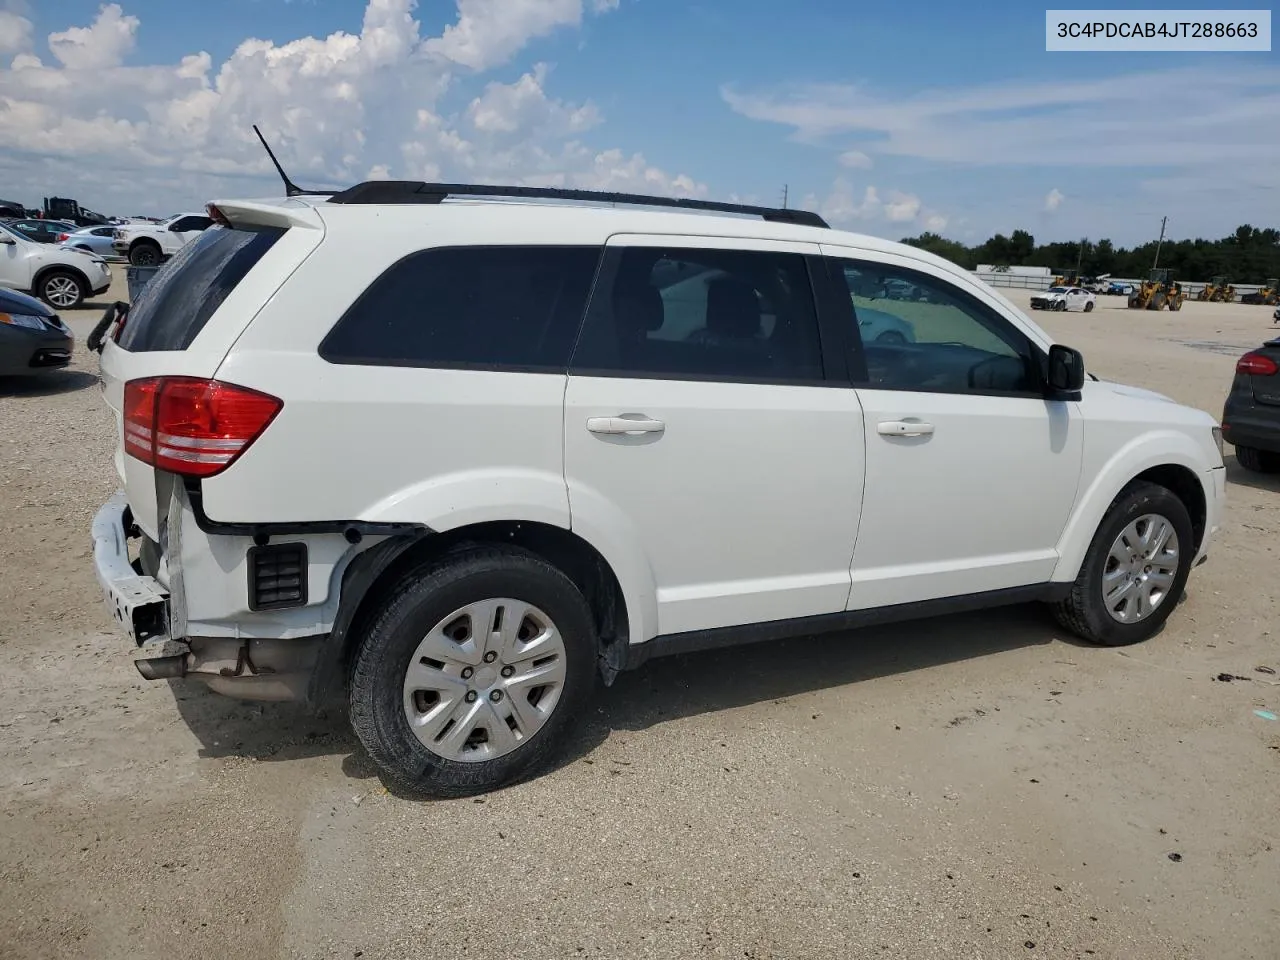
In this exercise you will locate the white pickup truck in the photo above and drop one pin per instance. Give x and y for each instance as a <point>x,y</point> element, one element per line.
<point>150,244</point>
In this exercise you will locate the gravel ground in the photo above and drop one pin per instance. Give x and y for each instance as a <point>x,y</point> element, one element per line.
<point>975,786</point>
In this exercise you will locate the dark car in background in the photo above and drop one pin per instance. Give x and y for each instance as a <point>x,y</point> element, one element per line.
<point>32,337</point>
<point>42,231</point>
<point>1251,416</point>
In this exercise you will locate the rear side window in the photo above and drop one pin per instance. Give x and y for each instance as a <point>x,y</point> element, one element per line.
<point>470,308</point>
<point>183,294</point>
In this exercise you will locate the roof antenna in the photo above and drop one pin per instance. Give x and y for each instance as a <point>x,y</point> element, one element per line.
<point>291,189</point>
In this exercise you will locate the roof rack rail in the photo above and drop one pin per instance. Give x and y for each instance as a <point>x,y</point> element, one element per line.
<point>417,191</point>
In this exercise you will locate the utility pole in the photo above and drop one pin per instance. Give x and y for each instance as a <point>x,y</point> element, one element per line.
<point>1160,242</point>
<point>1080,256</point>
<point>784,196</point>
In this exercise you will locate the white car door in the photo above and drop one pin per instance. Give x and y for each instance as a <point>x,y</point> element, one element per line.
<point>1076,299</point>
<point>183,230</point>
<point>15,261</point>
<point>702,437</point>
<point>971,471</point>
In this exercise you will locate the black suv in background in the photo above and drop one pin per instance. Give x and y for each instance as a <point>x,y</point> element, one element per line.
<point>1251,416</point>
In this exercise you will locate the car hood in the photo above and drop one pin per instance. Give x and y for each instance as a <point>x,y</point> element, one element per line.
<point>1125,390</point>
<point>13,302</point>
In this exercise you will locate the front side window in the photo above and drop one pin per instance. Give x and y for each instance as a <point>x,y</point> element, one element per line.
<point>701,313</point>
<point>470,307</point>
<point>919,332</point>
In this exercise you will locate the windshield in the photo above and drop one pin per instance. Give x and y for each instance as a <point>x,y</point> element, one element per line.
<point>184,293</point>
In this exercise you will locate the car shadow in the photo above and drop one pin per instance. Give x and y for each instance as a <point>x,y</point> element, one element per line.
<point>1239,476</point>
<point>665,689</point>
<point>47,384</point>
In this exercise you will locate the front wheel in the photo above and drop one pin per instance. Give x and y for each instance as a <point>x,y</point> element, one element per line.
<point>1135,570</point>
<point>144,255</point>
<point>470,678</point>
<point>61,289</point>
<point>891,336</point>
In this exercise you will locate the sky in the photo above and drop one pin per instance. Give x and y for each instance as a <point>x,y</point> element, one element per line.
<point>889,119</point>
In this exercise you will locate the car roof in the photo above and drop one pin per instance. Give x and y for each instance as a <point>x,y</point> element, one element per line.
<point>575,222</point>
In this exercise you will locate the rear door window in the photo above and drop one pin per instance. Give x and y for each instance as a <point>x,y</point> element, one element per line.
<point>510,308</point>
<point>187,290</point>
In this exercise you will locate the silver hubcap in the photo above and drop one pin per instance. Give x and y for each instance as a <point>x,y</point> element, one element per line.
<point>1140,569</point>
<point>484,680</point>
<point>61,291</point>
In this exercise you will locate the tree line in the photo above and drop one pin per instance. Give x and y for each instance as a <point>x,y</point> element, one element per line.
<point>1249,255</point>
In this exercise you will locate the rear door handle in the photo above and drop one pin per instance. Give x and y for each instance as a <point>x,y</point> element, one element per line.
<point>630,425</point>
<point>904,428</point>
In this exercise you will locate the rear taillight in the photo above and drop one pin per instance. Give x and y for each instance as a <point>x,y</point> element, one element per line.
<point>1257,365</point>
<point>192,427</point>
<point>63,236</point>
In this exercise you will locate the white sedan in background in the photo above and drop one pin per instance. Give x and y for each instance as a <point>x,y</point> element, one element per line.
<point>1064,298</point>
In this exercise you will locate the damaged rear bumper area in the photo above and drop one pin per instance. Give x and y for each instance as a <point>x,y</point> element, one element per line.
<point>249,669</point>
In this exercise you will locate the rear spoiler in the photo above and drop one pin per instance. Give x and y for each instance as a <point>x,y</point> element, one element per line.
<point>287,214</point>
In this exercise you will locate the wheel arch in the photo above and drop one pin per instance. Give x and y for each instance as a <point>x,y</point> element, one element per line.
<point>1169,459</point>
<point>44,271</point>
<point>373,574</point>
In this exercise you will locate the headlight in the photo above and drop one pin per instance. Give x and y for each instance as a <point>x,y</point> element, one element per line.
<point>21,320</point>
<point>1217,439</point>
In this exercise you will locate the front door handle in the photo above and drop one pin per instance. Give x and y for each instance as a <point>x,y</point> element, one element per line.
<point>904,428</point>
<point>627,425</point>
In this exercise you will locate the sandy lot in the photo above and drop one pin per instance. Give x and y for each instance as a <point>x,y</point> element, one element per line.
<point>977,786</point>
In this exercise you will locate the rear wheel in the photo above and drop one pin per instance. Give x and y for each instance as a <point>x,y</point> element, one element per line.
<point>1088,306</point>
<point>1259,461</point>
<point>471,677</point>
<point>144,254</point>
<point>1135,570</point>
<point>61,289</point>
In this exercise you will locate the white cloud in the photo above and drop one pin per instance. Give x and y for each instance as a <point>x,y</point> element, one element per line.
<point>105,43</point>
<point>488,32</point>
<point>902,207</point>
<point>1053,200</point>
<point>15,33</point>
<point>383,102</point>
<point>935,222</point>
<point>1220,118</point>
<point>524,105</point>
<point>855,160</point>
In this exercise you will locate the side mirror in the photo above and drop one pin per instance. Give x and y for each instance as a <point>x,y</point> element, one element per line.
<point>1066,373</point>
<point>7,240</point>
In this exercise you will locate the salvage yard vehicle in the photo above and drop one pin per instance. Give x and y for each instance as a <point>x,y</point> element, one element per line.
<point>33,339</point>
<point>1065,298</point>
<point>454,461</point>
<point>60,276</point>
<point>1251,415</point>
<point>150,244</point>
<point>1158,291</point>
<point>1267,295</point>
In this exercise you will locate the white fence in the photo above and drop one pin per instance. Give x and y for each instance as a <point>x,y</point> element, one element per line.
<point>1016,282</point>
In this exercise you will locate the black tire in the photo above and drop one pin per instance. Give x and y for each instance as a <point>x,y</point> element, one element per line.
<point>1157,301</point>
<point>1083,611</point>
<point>415,606</point>
<point>891,336</point>
<point>60,281</point>
<point>1060,306</point>
<point>1258,461</point>
<point>144,253</point>
<point>1088,306</point>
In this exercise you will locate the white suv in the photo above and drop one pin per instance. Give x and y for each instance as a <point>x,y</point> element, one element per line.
<point>453,461</point>
<point>150,244</point>
<point>62,277</point>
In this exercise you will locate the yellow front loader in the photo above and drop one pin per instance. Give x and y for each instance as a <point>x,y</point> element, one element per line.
<point>1158,291</point>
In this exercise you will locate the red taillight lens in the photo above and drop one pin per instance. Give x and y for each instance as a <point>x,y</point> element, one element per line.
<point>1257,365</point>
<point>192,427</point>
<point>63,236</point>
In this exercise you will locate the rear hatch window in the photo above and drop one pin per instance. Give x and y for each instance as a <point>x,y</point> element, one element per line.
<point>184,293</point>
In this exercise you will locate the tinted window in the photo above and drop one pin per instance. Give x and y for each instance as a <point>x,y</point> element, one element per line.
<point>481,307</point>
<point>184,293</point>
<point>723,314</point>
<point>191,223</point>
<point>919,332</point>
